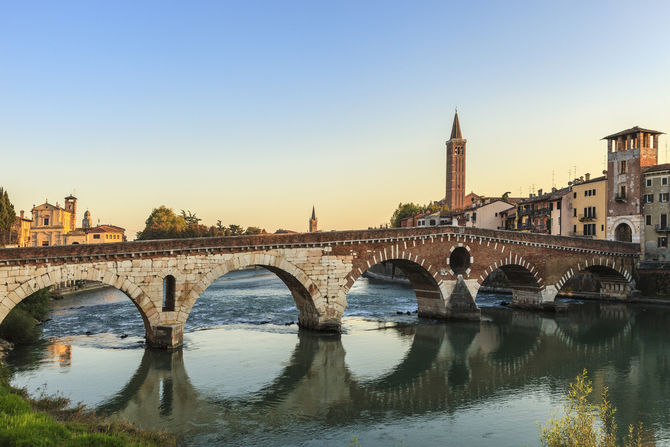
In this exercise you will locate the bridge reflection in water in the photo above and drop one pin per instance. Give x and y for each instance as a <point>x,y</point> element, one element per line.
<point>447,367</point>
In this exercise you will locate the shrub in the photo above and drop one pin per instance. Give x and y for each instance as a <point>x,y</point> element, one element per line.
<point>19,327</point>
<point>585,424</point>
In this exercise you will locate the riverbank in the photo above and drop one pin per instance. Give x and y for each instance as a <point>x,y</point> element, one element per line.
<point>52,421</point>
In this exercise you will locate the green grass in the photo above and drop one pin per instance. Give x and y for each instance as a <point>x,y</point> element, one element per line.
<point>50,421</point>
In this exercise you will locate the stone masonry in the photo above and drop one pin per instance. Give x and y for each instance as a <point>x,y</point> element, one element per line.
<point>446,266</point>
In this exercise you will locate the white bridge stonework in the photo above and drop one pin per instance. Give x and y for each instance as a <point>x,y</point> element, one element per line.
<point>320,268</point>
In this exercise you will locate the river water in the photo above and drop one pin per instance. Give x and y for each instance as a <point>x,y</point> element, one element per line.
<point>247,376</point>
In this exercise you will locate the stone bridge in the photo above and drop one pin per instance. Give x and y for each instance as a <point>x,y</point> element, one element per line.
<point>446,266</point>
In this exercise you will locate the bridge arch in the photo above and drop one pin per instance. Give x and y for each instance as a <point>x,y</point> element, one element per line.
<point>54,275</point>
<point>524,279</point>
<point>422,277</point>
<point>615,280</point>
<point>309,301</point>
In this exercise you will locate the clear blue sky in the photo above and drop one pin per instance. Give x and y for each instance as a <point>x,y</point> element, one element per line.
<point>251,112</point>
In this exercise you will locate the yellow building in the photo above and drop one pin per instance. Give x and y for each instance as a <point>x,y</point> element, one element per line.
<point>53,225</point>
<point>20,234</point>
<point>589,207</point>
<point>51,222</point>
<point>101,234</point>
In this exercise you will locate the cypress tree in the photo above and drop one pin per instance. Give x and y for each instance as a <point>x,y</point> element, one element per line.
<point>7,217</point>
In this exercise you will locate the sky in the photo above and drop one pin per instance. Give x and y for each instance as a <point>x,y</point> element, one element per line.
<point>251,112</point>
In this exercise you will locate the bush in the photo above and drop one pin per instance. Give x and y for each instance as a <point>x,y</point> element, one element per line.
<point>585,424</point>
<point>37,304</point>
<point>19,327</point>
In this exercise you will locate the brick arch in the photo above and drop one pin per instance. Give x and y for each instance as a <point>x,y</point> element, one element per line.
<point>148,312</point>
<point>380,256</point>
<point>594,265</point>
<point>422,276</point>
<point>508,264</point>
<point>306,294</point>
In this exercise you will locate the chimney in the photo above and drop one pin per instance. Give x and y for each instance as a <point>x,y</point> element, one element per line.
<point>553,189</point>
<point>22,213</point>
<point>587,176</point>
<point>581,178</point>
<point>539,192</point>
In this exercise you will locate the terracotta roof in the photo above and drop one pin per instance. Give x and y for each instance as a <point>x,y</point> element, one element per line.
<point>632,130</point>
<point>456,129</point>
<point>105,229</point>
<point>655,168</point>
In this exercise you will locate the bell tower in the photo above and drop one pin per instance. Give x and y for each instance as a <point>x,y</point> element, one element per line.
<point>455,194</point>
<point>313,221</point>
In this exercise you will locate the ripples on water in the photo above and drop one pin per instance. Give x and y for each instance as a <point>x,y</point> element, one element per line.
<point>245,377</point>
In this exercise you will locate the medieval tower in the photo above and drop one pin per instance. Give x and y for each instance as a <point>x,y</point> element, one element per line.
<point>455,194</point>
<point>313,222</point>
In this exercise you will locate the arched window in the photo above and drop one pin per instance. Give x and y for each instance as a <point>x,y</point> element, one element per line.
<point>168,292</point>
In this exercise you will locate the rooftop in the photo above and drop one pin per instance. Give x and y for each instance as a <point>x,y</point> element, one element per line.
<point>631,131</point>
<point>657,168</point>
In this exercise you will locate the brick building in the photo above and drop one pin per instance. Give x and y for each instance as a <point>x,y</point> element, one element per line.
<point>628,153</point>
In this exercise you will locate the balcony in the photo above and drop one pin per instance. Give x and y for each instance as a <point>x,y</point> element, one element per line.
<point>587,218</point>
<point>524,211</point>
<point>620,198</point>
<point>662,228</point>
<point>542,212</point>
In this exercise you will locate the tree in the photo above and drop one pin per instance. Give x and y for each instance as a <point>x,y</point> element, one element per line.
<point>254,230</point>
<point>585,424</point>
<point>235,230</point>
<point>7,217</point>
<point>404,211</point>
<point>190,218</point>
<point>162,223</point>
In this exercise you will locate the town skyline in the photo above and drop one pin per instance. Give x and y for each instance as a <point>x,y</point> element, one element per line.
<point>256,123</point>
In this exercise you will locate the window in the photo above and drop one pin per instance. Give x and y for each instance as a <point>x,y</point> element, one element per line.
<point>574,229</point>
<point>45,243</point>
<point>622,167</point>
<point>648,182</point>
<point>622,191</point>
<point>648,198</point>
<point>662,242</point>
<point>432,222</point>
<point>46,221</point>
<point>602,228</point>
<point>664,221</point>
<point>586,193</point>
<point>594,192</point>
<point>168,292</point>
<point>589,229</point>
<point>574,212</point>
<point>96,236</point>
<point>663,197</point>
<point>664,181</point>
<point>647,219</point>
<point>574,195</point>
<point>558,205</point>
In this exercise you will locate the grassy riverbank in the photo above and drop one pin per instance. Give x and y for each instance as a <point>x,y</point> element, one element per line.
<point>51,421</point>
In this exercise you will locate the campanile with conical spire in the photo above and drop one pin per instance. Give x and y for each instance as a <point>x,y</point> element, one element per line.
<point>455,194</point>
<point>313,222</point>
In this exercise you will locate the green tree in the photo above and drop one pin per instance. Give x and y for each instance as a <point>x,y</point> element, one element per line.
<point>7,217</point>
<point>162,223</point>
<point>585,424</point>
<point>404,211</point>
<point>235,230</point>
<point>254,230</point>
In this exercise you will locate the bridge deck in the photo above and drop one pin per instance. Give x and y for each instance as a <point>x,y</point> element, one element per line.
<point>151,248</point>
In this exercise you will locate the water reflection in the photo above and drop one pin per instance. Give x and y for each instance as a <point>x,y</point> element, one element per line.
<point>446,368</point>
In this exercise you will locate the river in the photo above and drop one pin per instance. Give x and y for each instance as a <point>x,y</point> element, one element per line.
<point>248,376</point>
